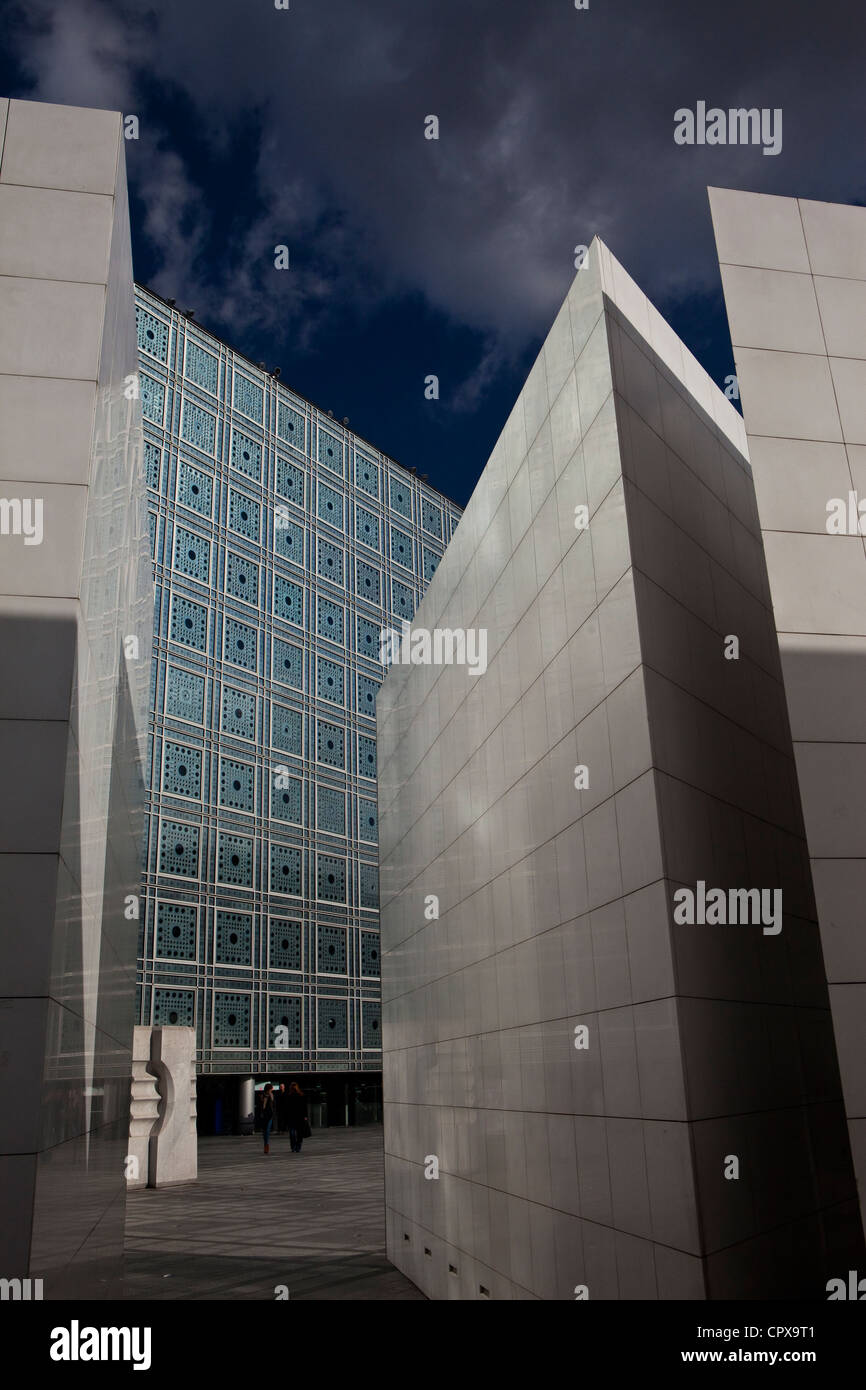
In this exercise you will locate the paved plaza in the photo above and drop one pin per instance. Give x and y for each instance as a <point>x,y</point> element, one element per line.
<point>314,1222</point>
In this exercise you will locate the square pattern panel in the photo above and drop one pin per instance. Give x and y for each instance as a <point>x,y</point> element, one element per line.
<point>184,694</point>
<point>370,954</point>
<point>286,797</point>
<point>402,601</point>
<point>366,756</point>
<point>368,582</point>
<point>366,528</point>
<point>152,461</point>
<point>152,334</point>
<point>288,539</point>
<point>202,367</point>
<point>402,552</point>
<point>331,952</point>
<point>430,563</point>
<point>285,870</point>
<point>332,1016</point>
<point>288,663</point>
<point>368,820</point>
<point>331,744</point>
<point>330,451</point>
<point>329,562</point>
<point>246,455</point>
<point>233,943</point>
<point>235,855</point>
<point>175,931</point>
<point>331,879</point>
<point>367,691</point>
<point>191,555</point>
<point>431,518</point>
<point>198,427</point>
<point>249,397</point>
<point>178,849</point>
<point>330,620</point>
<point>331,810</point>
<point>330,506</point>
<point>285,1014</point>
<point>287,730</point>
<point>188,623</point>
<point>288,601</point>
<point>401,496</point>
<point>174,1008</point>
<point>240,645</point>
<point>284,944</point>
<point>238,713</point>
<point>331,681</point>
<point>194,489</point>
<point>368,885</point>
<point>237,783</point>
<point>290,481</point>
<point>371,1024</point>
<point>181,770</point>
<point>368,638</point>
<point>366,475</point>
<point>152,393</point>
<point>231,1019</point>
<point>291,426</point>
<point>242,578</point>
<point>244,515</point>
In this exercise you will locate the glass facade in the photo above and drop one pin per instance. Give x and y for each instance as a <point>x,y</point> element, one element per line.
<point>282,544</point>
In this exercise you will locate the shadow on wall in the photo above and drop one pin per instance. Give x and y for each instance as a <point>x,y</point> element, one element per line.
<point>67,966</point>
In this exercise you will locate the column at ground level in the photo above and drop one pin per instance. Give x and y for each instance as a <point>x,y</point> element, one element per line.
<point>246,1104</point>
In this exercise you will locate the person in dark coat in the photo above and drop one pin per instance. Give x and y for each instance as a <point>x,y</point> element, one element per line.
<point>267,1115</point>
<point>296,1109</point>
<point>282,1111</point>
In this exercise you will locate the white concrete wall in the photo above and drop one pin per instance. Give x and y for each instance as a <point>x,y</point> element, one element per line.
<point>794,276</point>
<point>601,1167</point>
<point>73,711</point>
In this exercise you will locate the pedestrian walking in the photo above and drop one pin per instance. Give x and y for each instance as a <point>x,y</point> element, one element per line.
<point>282,1112</point>
<point>267,1115</point>
<point>299,1125</point>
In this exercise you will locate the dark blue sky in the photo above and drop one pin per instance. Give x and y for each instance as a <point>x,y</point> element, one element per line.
<point>412,257</point>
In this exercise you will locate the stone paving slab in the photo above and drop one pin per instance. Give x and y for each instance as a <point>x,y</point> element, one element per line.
<point>314,1222</point>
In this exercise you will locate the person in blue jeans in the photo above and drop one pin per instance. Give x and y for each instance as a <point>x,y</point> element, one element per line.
<point>267,1115</point>
<point>296,1111</point>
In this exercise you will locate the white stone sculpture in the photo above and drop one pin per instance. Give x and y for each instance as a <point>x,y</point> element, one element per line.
<point>162,1127</point>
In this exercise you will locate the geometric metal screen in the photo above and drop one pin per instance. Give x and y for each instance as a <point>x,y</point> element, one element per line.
<point>282,544</point>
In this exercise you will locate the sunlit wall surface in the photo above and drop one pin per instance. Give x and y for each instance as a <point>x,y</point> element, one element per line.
<point>587,1096</point>
<point>282,544</point>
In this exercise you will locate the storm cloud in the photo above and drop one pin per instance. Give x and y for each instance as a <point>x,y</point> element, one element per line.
<point>554,124</point>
